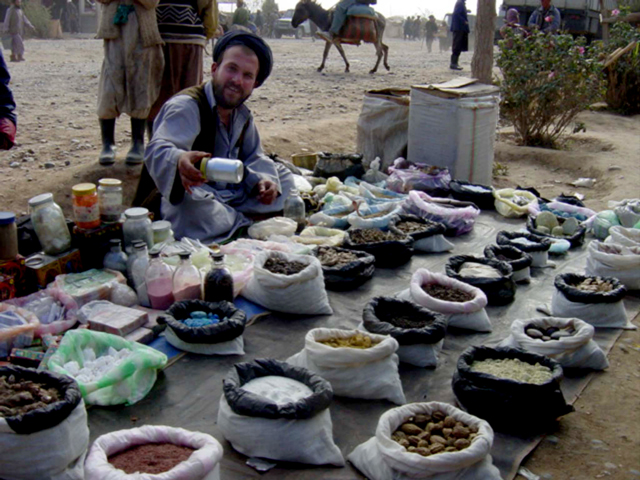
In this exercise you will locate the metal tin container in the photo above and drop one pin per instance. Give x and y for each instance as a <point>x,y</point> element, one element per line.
<point>222,170</point>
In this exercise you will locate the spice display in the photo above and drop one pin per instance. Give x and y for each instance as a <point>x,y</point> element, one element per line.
<point>373,235</point>
<point>403,317</point>
<point>280,390</point>
<point>151,458</point>
<point>284,267</point>
<point>187,282</point>
<point>550,333</point>
<point>357,341</point>
<point>8,236</point>
<point>409,227</point>
<point>110,199</point>
<point>18,397</point>
<point>92,368</point>
<point>514,369</point>
<point>448,294</point>
<point>158,278</point>
<point>549,224</point>
<point>218,283</point>
<point>137,226</point>
<point>202,319</point>
<point>50,225</point>
<point>432,434</point>
<point>86,210</point>
<point>595,284</point>
<point>330,257</point>
<point>478,270</point>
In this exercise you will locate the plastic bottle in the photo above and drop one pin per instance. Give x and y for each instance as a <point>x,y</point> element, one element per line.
<point>218,283</point>
<point>116,259</point>
<point>138,270</point>
<point>159,282</point>
<point>294,208</point>
<point>187,282</point>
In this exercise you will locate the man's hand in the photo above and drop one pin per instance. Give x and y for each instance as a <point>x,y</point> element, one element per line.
<point>190,175</point>
<point>267,191</point>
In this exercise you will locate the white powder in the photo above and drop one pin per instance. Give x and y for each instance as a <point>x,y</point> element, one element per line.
<point>514,369</point>
<point>280,390</point>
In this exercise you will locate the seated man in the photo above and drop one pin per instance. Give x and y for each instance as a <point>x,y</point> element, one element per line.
<point>546,17</point>
<point>211,120</point>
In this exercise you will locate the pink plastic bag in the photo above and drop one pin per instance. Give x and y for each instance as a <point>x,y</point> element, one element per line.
<point>458,219</point>
<point>406,176</point>
<point>56,327</point>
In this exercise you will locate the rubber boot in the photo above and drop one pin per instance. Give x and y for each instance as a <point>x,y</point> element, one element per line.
<point>135,156</point>
<point>149,129</point>
<point>454,62</point>
<point>108,131</point>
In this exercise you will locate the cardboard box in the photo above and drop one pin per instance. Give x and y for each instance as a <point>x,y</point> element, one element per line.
<point>43,269</point>
<point>7,287</point>
<point>117,320</point>
<point>141,335</point>
<point>16,270</point>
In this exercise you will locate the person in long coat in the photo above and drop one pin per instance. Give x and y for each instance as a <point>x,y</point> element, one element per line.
<point>460,30</point>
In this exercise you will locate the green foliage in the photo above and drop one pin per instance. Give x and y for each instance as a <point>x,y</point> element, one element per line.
<point>39,16</point>
<point>546,81</point>
<point>623,76</point>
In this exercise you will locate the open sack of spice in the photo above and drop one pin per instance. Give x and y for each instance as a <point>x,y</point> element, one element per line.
<point>345,269</point>
<point>427,236</point>
<point>513,203</point>
<point>568,341</point>
<point>433,440</point>
<point>356,364</point>
<point>462,304</point>
<point>56,311</point>
<point>329,237</point>
<point>109,369</point>
<point>405,176</point>
<point>154,451</point>
<point>391,248</point>
<point>548,225</point>
<point>626,237</point>
<point>612,260</point>
<point>288,283</point>
<point>458,217</point>
<point>480,195</point>
<point>493,277</point>
<point>537,247</point>
<point>373,216</point>
<point>207,328</point>
<point>17,328</point>
<point>596,300</point>
<point>273,410</point>
<point>273,226</point>
<point>519,261</point>
<point>419,332</point>
<point>514,390</point>
<point>43,426</point>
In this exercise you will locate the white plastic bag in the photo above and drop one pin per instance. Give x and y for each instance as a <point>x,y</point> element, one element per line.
<point>301,183</point>
<point>628,211</point>
<point>506,207</point>
<point>203,464</point>
<point>231,347</point>
<point>381,458</point>
<point>273,226</point>
<point>627,237</point>
<point>576,351</point>
<point>374,175</point>
<point>603,315</point>
<point>303,293</point>
<point>328,237</point>
<point>469,315</point>
<point>374,216</point>
<point>433,244</point>
<point>308,440</point>
<point>370,373</point>
<point>624,264</point>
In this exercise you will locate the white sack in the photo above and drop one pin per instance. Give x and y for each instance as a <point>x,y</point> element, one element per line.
<point>273,226</point>
<point>522,276</point>
<point>203,464</point>
<point>577,351</point>
<point>625,266</point>
<point>304,441</point>
<point>231,347</point>
<point>370,373</point>
<point>303,293</point>
<point>56,453</point>
<point>433,244</point>
<point>603,315</point>
<point>627,237</point>
<point>381,458</point>
<point>540,259</point>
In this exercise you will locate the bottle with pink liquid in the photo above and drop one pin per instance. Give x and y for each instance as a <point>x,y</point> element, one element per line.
<point>187,282</point>
<point>159,283</point>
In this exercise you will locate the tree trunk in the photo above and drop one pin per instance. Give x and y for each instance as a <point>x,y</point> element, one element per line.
<point>605,26</point>
<point>482,62</point>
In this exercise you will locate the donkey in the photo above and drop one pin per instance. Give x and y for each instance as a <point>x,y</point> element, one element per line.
<point>309,9</point>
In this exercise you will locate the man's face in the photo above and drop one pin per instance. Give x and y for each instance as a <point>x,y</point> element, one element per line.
<point>234,78</point>
<point>545,4</point>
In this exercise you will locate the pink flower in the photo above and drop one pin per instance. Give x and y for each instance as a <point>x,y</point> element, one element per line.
<point>615,12</point>
<point>551,75</point>
<point>548,19</point>
<point>581,50</point>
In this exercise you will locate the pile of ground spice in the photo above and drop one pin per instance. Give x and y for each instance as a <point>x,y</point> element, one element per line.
<point>150,458</point>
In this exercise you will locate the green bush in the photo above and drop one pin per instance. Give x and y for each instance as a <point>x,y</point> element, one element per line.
<point>623,76</point>
<point>546,81</point>
<point>39,16</point>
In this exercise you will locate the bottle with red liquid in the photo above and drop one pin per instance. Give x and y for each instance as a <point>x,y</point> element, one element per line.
<point>159,283</point>
<point>218,283</point>
<point>187,282</point>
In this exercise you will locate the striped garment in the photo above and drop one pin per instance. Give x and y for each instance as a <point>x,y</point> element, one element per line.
<point>179,22</point>
<point>359,29</point>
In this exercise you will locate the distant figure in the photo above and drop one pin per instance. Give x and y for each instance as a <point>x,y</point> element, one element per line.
<point>259,21</point>
<point>430,30</point>
<point>406,27</point>
<point>15,22</point>
<point>8,120</point>
<point>241,16</point>
<point>512,24</point>
<point>460,30</point>
<point>546,17</point>
<point>443,36</point>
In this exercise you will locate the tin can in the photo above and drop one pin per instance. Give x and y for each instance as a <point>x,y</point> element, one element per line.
<point>222,170</point>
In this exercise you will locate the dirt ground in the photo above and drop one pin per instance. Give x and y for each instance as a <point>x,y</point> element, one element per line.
<point>300,110</point>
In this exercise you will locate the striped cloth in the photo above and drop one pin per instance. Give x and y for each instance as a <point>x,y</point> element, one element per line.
<point>359,29</point>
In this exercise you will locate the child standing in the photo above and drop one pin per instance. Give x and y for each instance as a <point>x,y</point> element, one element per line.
<point>15,22</point>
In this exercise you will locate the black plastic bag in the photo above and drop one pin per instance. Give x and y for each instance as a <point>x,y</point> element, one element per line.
<point>499,291</point>
<point>518,259</point>
<point>380,309</point>
<point>388,254</point>
<point>575,240</point>
<point>483,200</point>
<point>50,415</point>
<point>540,244</point>
<point>566,282</point>
<point>570,200</point>
<point>339,165</point>
<point>430,228</point>
<point>223,331</point>
<point>246,403</point>
<point>509,405</point>
<point>348,276</point>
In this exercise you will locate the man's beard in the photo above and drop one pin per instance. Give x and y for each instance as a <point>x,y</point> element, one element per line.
<point>221,101</point>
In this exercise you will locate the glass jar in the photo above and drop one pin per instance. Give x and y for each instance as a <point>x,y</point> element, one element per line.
<point>294,208</point>
<point>218,283</point>
<point>187,282</point>
<point>110,199</point>
<point>116,259</point>
<point>159,283</point>
<point>86,210</point>
<point>162,231</point>
<point>135,253</point>
<point>8,236</point>
<point>138,270</point>
<point>137,226</point>
<point>49,223</point>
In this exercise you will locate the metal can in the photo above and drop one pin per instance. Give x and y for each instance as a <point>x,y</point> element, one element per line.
<point>222,170</point>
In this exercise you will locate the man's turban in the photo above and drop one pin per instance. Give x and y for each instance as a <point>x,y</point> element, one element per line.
<point>251,41</point>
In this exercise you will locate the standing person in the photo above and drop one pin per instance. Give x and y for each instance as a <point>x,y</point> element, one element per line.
<point>406,27</point>
<point>15,22</point>
<point>430,30</point>
<point>58,9</point>
<point>460,30</point>
<point>185,26</point>
<point>131,74</point>
<point>241,16</point>
<point>259,21</point>
<point>546,17</point>
<point>443,36</point>
<point>8,119</point>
